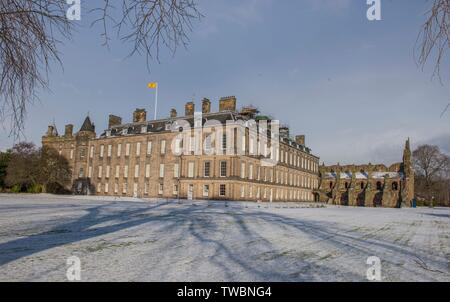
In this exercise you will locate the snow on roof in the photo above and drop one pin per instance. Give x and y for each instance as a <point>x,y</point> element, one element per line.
<point>364,175</point>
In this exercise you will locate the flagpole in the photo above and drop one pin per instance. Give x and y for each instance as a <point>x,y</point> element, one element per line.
<point>156,100</point>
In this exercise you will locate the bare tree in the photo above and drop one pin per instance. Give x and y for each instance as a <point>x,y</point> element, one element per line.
<point>431,168</point>
<point>31,32</point>
<point>434,37</point>
<point>53,169</point>
<point>28,43</point>
<point>22,168</point>
<point>149,24</point>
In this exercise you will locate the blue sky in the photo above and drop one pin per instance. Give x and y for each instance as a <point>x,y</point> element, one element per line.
<point>352,86</point>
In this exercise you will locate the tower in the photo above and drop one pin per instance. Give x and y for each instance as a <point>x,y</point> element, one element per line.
<point>408,174</point>
<point>82,139</point>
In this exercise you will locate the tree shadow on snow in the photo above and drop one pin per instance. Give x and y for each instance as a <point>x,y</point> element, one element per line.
<point>237,237</point>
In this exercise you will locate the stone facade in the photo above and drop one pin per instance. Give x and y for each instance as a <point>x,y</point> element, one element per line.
<point>138,159</point>
<point>369,185</point>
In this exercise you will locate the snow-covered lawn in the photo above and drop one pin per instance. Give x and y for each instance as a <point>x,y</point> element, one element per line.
<point>128,240</point>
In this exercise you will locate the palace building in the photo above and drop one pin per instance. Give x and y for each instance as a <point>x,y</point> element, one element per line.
<point>225,155</point>
<point>172,158</point>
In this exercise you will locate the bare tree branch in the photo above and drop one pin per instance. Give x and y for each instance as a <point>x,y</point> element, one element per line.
<point>434,37</point>
<point>149,25</point>
<point>30,31</point>
<point>28,44</point>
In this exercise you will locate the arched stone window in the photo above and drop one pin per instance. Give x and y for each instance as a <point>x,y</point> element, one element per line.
<point>394,186</point>
<point>362,185</point>
<point>379,187</point>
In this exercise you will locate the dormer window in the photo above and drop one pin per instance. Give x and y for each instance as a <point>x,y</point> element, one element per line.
<point>108,133</point>
<point>125,131</point>
<point>144,129</point>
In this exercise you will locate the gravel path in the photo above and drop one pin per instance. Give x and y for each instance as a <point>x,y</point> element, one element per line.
<point>132,240</point>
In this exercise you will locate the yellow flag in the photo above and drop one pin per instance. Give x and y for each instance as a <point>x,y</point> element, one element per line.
<point>152,85</point>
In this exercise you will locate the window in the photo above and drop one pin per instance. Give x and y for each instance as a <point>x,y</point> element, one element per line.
<point>91,154</point>
<point>394,186</point>
<point>127,149</point>
<point>125,187</point>
<point>82,153</point>
<point>109,150</point>
<point>222,190</point>
<point>191,169</point>
<point>176,170</point>
<point>161,189</point>
<point>161,170</point>
<point>224,142</point>
<point>138,149</point>
<point>207,169</point>
<point>106,187</point>
<point>81,174</point>
<point>331,185</point>
<point>346,185</point>
<point>116,188</point>
<point>136,171</point>
<point>119,150</point>
<point>208,147</point>
<point>108,169</point>
<point>379,187</point>
<point>135,189</point>
<point>125,172</point>
<point>102,149</point>
<point>177,146</point>
<point>147,170</point>
<point>206,191</point>
<point>117,171</point>
<point>71,154</point>
<point>146,188</point>
<point>250,172</point>
<point>149,148</point>
<point>191,143</point>
<point>362,185</point>
<point>242,170</point>
<point>163,147</point>
<point>90,171</point>
<point>175,189</point>
<point>99,188</point>
<point>242,191</point>
<point>223,169</point>
<point>100,171</point>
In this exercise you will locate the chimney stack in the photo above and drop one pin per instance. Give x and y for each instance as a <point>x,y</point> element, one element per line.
<point>284,132</point>
<point>300,139</point>
<point>68,132</point>
<point>139,116</point>
<point>227,103</point>
<point>173,113</point>
<point>51,130</point>
<point>189,109</point>
<point>114,120</point>
<point>206,106</point>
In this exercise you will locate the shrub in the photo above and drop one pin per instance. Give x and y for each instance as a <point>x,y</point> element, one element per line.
<point>16,189</point>
<point>35,189</point>
<point>56,188</point>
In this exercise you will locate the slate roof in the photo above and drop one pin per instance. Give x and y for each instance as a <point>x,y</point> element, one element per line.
<point>87,125</point>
